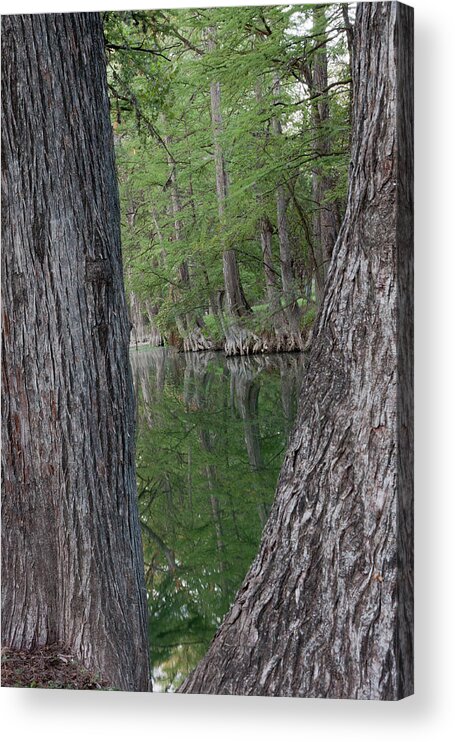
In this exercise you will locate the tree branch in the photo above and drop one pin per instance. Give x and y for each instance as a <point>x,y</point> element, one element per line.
<point>119,47</point>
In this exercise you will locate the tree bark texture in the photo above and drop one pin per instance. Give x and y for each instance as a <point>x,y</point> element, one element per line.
<point>72,565</point>
<point>326,608</point>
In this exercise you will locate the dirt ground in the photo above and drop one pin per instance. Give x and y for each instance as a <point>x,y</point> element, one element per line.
<point>48,667</point>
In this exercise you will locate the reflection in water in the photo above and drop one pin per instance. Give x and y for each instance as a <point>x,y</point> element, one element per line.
<point>211,438</point>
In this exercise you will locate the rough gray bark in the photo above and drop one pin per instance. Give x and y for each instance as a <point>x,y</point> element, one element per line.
<point>72,567</point>
<point>326,608</point>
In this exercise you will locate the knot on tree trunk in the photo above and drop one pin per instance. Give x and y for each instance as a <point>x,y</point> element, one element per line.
<point>98,270</point>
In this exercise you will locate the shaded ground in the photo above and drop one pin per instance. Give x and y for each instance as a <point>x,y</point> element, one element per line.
<point>48,667</point>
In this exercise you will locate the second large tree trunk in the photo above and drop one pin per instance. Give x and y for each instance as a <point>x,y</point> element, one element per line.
<point>326,608</point>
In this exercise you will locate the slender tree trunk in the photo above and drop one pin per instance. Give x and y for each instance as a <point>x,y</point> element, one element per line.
<point>72,566</point>
<point>273,288</point>
<point>282,200</point>
<point>154,335</point>
<point>287,274</point>
<point>173,211</point>
<point>176,211</point>
<point>326,219</point>
<point>137,324</point>
<point>137,308</point>
<point>137,320</point>
<point>285,320</point>
<point>235,298</point>
<point>212,308</point>
<point>326,608</point>
<point>291,309</point>
<point>310,264</point>
<point>271,276</point>
<point>350,42</point>
<point>193,339</point>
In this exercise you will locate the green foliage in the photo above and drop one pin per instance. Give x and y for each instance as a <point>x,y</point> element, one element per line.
<point>160,68</point>
<point>212,327</point>
<point>308,317</point>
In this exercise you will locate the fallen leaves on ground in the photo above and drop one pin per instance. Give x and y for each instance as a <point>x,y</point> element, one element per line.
<point>47,667</point>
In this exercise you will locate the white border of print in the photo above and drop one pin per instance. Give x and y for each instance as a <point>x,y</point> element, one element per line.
<point>50,715</point>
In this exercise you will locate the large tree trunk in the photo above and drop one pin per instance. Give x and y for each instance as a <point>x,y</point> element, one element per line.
<point>326,608</point>
<point>72,566</point>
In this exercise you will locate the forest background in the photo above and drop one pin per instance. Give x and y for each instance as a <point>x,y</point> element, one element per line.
<point>34,712</point>
<point>232,135</point>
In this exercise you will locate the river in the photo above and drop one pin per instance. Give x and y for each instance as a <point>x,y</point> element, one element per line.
<point>212,433</point>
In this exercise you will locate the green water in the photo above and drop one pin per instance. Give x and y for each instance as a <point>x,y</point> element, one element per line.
<point>212,434</point>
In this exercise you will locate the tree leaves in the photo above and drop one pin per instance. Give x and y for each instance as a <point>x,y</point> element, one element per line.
<point>160,70</point>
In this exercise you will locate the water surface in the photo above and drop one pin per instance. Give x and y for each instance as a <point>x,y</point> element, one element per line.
<point>212,434</point>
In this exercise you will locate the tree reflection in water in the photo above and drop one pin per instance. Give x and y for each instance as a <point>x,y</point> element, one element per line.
<point>211,438</point>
